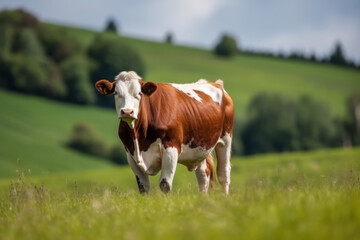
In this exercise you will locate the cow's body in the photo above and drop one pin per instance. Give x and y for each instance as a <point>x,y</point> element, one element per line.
<point>176,123</point>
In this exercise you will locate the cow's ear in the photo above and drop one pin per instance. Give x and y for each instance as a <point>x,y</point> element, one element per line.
<point>105,87</point>
<point>148,88</point>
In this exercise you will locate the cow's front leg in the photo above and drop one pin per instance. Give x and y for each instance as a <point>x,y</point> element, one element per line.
<point>168,167</point>
<point>142,179</point>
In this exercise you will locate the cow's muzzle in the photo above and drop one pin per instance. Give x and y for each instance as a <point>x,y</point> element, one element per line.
<point>127,114</point>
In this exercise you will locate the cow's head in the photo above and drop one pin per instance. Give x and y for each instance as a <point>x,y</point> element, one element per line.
<point>127,89</point>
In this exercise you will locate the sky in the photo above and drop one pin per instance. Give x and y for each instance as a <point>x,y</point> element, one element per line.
<point>309,26</point>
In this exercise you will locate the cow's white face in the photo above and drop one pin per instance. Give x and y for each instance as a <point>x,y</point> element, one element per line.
<point>127,100</point>
<point>127,90</point>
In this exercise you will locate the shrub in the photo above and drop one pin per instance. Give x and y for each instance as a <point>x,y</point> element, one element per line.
<point>237,146</point>
<point>352,120</point>
<point>278,124</point>
<point>316,126</point>
<point>271,126</point>
<point>85,139</point>
<point>118,155</point>
<point>226,47</point>
<point>76,74</point>
<point>110,57</point>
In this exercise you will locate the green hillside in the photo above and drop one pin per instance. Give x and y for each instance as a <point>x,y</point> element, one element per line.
<point>243,75</point>
<point>33,134</point>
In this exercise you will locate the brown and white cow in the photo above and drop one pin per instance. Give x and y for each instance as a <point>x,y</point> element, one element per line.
<point>164,124</point>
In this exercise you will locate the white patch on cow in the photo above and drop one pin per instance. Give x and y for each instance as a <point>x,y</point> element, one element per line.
<point>138,157</point>
<point>189,156</point>
<point>127,95</point>
<point>203,86</point>
<point>223,154</point>
<point>152,157</point>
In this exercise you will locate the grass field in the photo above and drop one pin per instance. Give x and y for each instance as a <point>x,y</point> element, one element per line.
<point>48,191</point>
<point>314,195</point>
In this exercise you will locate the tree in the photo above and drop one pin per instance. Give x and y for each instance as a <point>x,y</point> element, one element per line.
<point>277,124</point>
<point>58,44</point>
<point>111,56</point>
<point>76,74</point>
<point>337,56</point>
<point>111,26</point>
<point>226,47</point>
<point>317,128</point>
<point>27,43</point>
<point>271,126</point>
<point>169,38</point>
<point>27,75</point>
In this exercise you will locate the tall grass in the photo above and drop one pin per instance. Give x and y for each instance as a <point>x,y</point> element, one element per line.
<point>314,195</point>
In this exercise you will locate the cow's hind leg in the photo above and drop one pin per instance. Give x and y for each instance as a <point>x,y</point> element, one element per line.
<point>142,179</point>
<point>223,168</point>
<point>205,174</point>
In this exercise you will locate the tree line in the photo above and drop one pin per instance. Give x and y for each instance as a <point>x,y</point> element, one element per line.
<point>277,123</point>
<point>227,47</point>
<point>40,59</point>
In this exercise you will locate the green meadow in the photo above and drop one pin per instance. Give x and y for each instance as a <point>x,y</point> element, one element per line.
<point>48,191</point>
<point>314,195</point>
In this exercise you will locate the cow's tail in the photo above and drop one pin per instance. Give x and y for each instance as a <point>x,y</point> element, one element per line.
<point>210,169</point>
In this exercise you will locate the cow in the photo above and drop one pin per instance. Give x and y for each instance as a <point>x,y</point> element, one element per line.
<point>162,124</point>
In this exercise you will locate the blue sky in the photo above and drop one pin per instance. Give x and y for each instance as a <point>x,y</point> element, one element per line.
<point>275,25</point>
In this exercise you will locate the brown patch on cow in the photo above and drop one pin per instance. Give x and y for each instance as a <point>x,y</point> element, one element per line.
<point>141,187</point>
<point>210,170</point>
<point>164,186</point>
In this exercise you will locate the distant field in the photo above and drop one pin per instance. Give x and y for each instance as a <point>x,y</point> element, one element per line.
<point>314,195</point>
<point>243,75</point>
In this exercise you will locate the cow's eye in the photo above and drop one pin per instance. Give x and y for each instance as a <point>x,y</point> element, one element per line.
<point>140,93</point>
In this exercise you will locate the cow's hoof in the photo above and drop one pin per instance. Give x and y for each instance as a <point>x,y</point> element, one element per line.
<point>164,186</point>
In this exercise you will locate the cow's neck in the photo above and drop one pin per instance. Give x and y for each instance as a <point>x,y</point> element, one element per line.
<point>131,136</point>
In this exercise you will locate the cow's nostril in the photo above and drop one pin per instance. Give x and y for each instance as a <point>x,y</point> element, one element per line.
<point>128,112</point>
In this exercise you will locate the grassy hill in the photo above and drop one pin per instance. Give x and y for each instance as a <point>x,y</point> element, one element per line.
<point>33,133</point>
<point>243,75</point>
